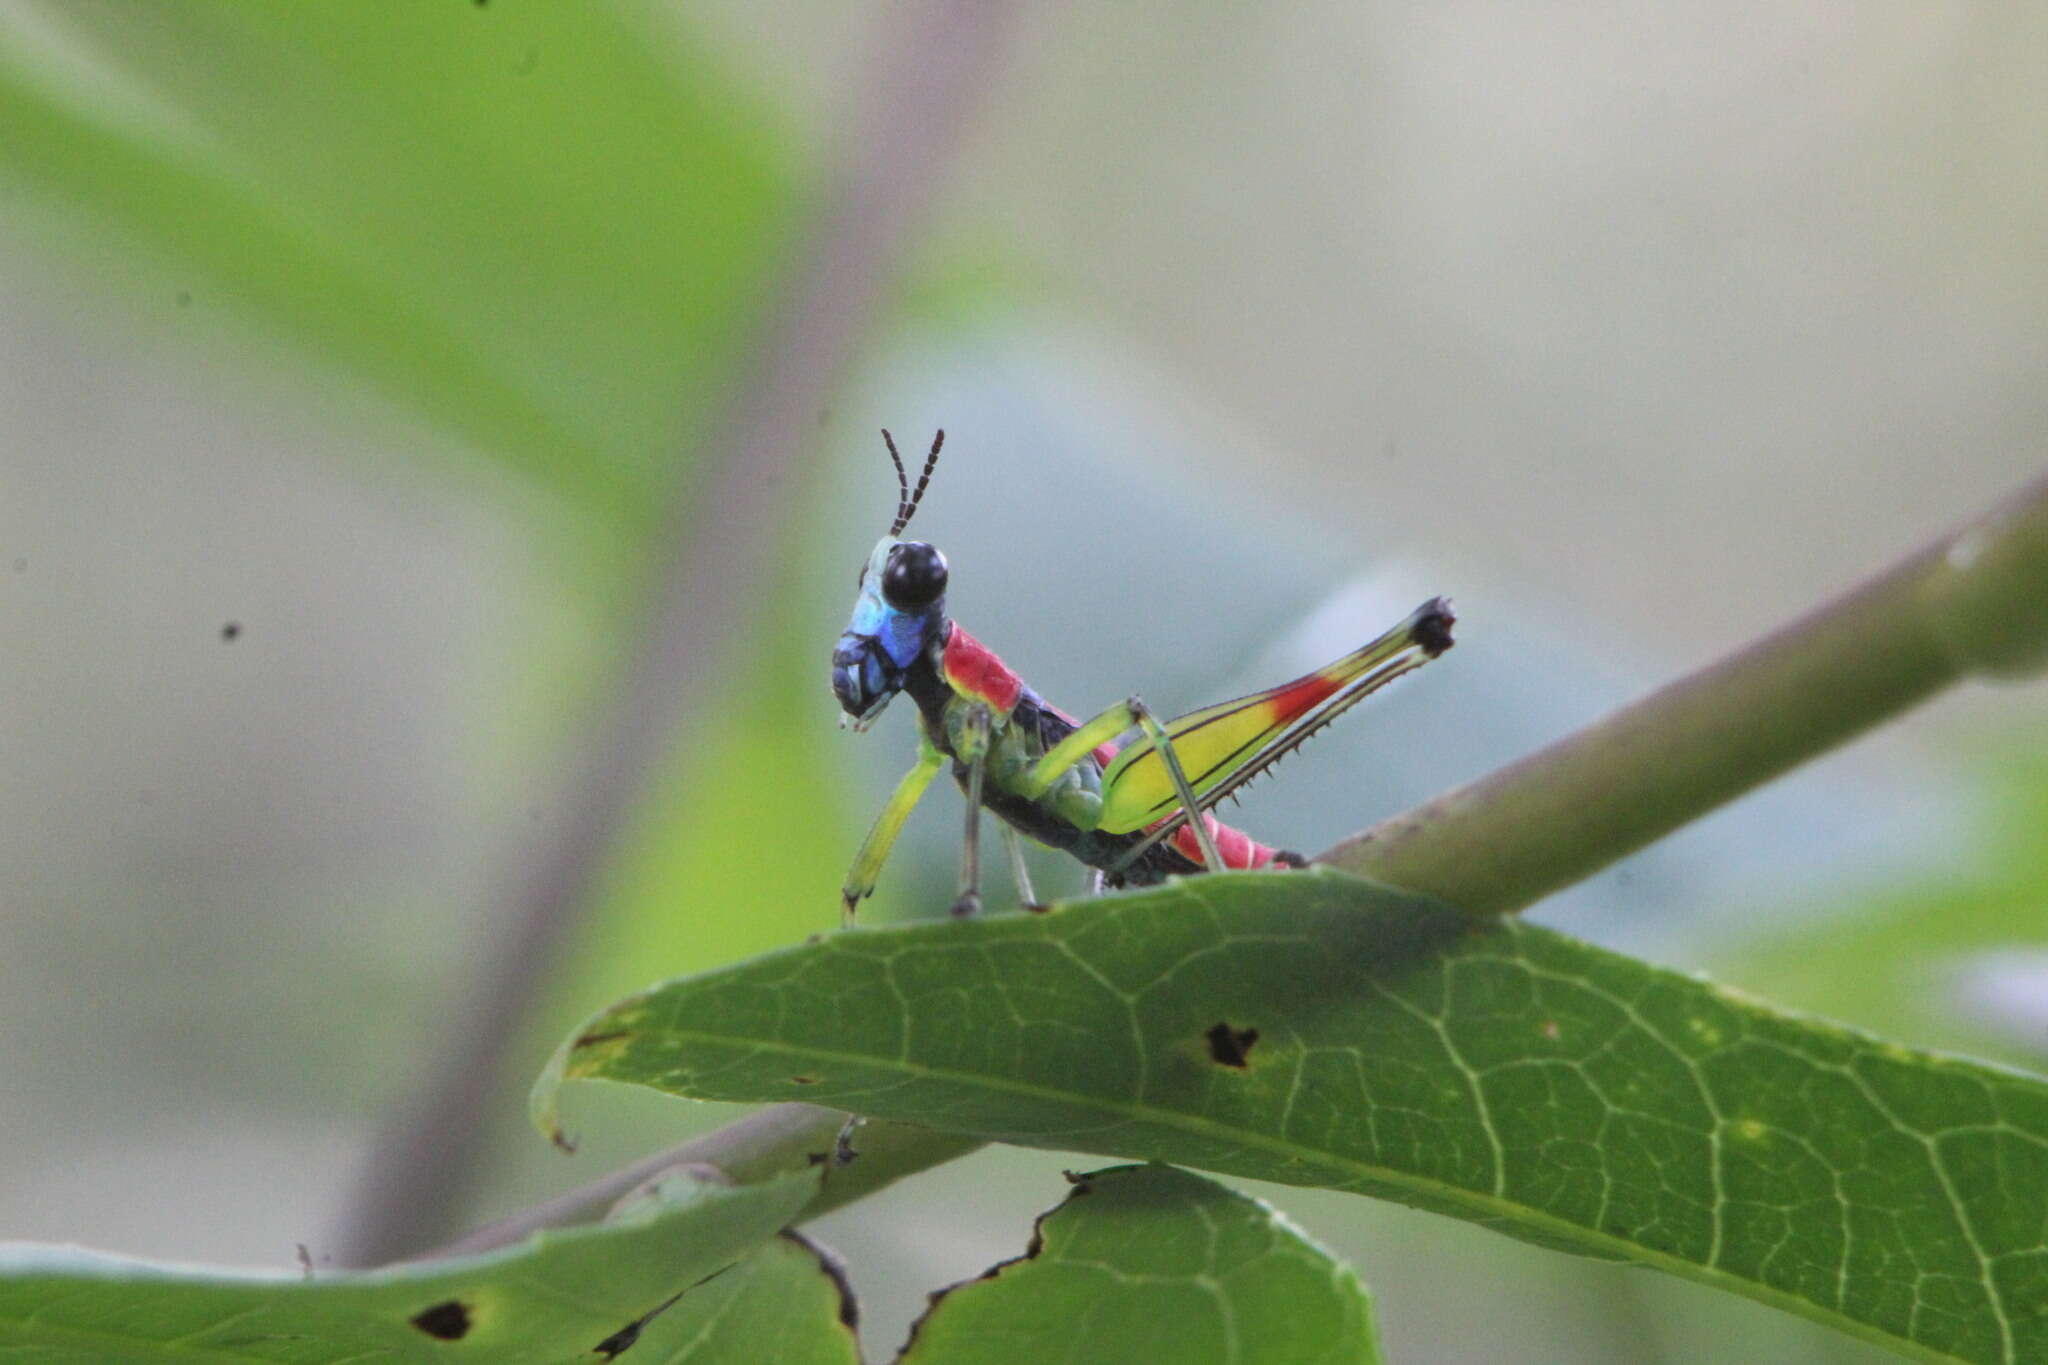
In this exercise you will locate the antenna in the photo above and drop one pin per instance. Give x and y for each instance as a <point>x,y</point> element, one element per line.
<point>902,483</point>
<point>907,498</point>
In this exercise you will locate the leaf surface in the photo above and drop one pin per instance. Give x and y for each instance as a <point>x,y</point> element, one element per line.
<point>1316,1029</point>
<point>1152,1263</point>
<point>786,1303</point>
<point>553,1298</point>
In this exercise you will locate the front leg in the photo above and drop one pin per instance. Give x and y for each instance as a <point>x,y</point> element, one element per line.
<point>874,850</point>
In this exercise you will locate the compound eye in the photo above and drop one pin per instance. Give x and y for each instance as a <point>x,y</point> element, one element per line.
<point>915,575</point>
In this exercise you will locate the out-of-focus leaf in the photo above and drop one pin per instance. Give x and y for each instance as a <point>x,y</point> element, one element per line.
<point>545,228</point>
<point>1895,959</point>
<point>1151,1263</point>
<point>1316,1029</point>
<point>747,815</point>
<point>553,1298</point>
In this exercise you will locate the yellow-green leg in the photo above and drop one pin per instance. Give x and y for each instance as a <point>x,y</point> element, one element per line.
<point>874,850</point>
<point>1062,756</point>
<point>1125,715</point>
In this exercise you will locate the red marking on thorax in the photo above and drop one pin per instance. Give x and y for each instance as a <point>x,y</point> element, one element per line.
<point>973,670</point>
<point>1238,850</point>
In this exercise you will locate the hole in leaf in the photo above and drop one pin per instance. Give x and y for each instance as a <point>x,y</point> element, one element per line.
<point>1231,1046</point>
<point>445,1321</point>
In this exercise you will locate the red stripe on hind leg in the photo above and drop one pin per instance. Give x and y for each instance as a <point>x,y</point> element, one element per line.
<point>1239,851</point>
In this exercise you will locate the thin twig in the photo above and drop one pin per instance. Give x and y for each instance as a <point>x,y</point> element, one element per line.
<point>1974,603</point>
<point>913,102</point>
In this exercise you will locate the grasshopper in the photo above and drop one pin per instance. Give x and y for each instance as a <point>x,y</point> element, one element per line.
<point>1125,794</point>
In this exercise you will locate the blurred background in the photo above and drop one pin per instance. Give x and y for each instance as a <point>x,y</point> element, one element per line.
<point>438,442</point>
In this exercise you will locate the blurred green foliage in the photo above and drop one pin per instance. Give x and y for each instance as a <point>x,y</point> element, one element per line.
<point>543,236</point>
<point>546,229</point>
<point>1890,958</point>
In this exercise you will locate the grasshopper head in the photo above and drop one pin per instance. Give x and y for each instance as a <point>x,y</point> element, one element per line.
<point>900,611</point>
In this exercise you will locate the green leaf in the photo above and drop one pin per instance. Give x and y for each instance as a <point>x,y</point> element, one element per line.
<point>545,228</point>
<point>1151,1263</point>
<point>1888,958</point>
<point>552,1298</point>
<point>786,1303</point>
<point>1316,1029</point>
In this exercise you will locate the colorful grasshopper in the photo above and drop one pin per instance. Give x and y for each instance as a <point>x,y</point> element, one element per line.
<point>1123,810</point>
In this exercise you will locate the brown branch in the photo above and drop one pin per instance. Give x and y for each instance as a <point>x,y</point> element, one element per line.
<point>933,59</point>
